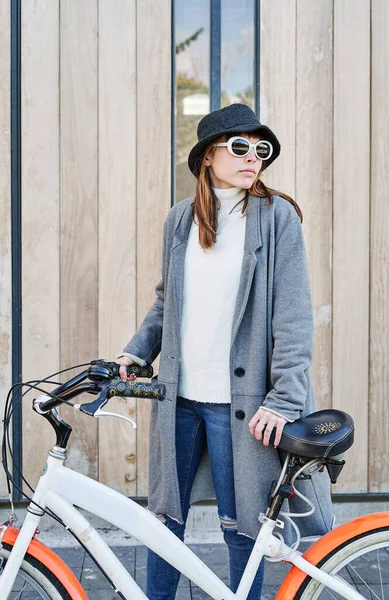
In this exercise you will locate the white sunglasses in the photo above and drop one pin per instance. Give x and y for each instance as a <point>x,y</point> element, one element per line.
<point>239,146</point>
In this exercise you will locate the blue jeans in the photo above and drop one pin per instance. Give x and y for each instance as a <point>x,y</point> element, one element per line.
<point>197,423</point>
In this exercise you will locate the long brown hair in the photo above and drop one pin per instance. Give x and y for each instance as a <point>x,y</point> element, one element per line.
<point>206,204</point>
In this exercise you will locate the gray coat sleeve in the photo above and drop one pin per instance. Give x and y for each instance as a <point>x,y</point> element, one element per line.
<point>146,343</point>
<point>292,325</point>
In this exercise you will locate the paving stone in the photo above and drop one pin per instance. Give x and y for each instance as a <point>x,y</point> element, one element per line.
<point>215,556</point>
<point>275,573</point>
<point>183,593</point>
<point>376,591</point>
<point>141,556</point>
<point>27,595</point>
<point>92,578</point>
<point>134,558</point>
<point>269,592</point>
<point>74,557</point>
<point>198,594</point>
<point>102,594</point>
<point>140,578</point>
<point>126,554</point>
<point>211,554</point>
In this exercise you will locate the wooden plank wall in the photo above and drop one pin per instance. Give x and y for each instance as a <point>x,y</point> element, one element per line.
<point>318,94</point>
<point>117,224</point>
<point>378,433</point>
<point>40,215</point>
<point>153,173</point>
<point>79,206</point>
<point>96,93</point>
<point>92,210</point>
<point>351,182</point>
<point>296,100</point>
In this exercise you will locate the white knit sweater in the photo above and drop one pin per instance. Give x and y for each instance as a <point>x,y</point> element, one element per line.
<point>211,281</point>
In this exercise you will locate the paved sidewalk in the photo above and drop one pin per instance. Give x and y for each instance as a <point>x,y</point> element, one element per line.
<point>203,536</point>
<point>134,559</point>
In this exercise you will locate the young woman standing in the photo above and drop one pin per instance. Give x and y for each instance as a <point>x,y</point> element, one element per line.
<point>233,323</point>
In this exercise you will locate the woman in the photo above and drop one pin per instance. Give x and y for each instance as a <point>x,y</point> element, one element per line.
<point>233,323</point>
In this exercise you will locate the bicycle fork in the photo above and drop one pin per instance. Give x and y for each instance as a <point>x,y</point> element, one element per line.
<point>16,557</point>
<point>28,529</point>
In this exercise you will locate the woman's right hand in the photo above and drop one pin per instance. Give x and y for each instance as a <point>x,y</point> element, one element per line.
<point>124,362</point>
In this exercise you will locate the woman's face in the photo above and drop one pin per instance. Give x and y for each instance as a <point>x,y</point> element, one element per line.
<point>228,171</point>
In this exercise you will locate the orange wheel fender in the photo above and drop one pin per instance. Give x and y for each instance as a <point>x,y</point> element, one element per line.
<point>326,544</point>
<point>53,562</point>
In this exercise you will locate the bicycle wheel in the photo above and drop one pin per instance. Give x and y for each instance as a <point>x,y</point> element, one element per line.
<point>34,580</point>
<point>362,561</point>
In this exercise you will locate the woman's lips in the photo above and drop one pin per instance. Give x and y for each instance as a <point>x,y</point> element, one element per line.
<point>247,171</point>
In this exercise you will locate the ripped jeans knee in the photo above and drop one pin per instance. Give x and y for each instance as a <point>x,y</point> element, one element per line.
<point>228,524</point>
<point>234,540</point>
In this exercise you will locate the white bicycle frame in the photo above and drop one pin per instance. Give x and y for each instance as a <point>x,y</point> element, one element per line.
<point>60,489</point>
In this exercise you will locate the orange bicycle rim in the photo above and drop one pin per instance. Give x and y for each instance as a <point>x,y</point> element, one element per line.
<point>54,563</point>
<point>327,544</point>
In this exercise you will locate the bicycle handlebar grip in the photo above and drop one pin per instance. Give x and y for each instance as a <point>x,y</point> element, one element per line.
<point>146,372</point>
<point>103,369</point>
<point>154,391</point>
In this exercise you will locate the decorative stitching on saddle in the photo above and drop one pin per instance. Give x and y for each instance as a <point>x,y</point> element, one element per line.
<point>325,428</point>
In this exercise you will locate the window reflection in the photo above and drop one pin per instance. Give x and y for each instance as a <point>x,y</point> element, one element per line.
<point>237,52</point>
<point>192,89</point>
<point>192,35</point>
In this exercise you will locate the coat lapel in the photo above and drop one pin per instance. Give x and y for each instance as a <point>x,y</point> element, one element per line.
<point>180,242</point>
<point>253,241</point>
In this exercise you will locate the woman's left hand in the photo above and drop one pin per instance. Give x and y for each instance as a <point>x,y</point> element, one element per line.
<point>262,425</point>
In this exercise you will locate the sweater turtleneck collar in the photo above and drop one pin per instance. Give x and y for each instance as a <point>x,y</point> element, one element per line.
<point>228,197</point>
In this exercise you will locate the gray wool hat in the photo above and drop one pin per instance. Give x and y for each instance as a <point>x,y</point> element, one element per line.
<point>236,118</point>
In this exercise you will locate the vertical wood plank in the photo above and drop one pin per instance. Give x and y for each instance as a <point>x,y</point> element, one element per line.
<point>153,172</point>
<point>40,215</point>
<point>278,88</point>
<point>379,248</point>
<point>314,171</point>
<point>91,258</point>
<point>5,216</point>
<point>78,214</point>
<point>351,229</point>
<point>117,225</point>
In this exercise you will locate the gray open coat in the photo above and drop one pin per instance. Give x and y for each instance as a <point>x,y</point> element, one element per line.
<point>271,344</point>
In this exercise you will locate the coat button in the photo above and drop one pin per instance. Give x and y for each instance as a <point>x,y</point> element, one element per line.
<point>239,372</point>
<point>240,415</point>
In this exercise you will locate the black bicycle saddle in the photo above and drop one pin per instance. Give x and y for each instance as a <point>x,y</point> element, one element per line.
<point>323,434</point>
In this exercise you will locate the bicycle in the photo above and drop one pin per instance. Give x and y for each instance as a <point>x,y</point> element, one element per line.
<point>351,561</point>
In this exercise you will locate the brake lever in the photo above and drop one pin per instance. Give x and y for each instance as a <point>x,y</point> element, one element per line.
<point>90,408</point>
<point>94,409</point>
<point>102,413</point>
